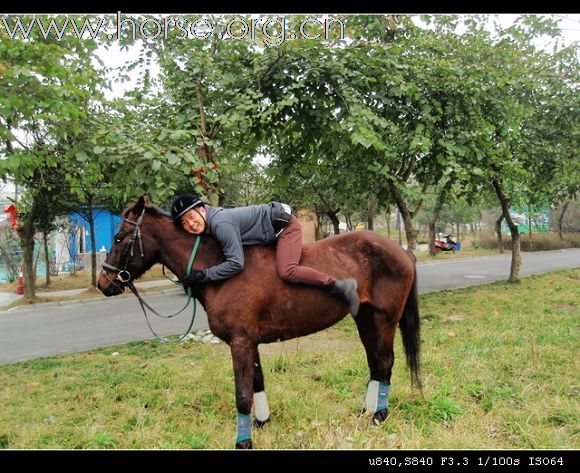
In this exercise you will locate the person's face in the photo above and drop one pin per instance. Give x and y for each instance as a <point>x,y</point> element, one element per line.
<point>193,221</point>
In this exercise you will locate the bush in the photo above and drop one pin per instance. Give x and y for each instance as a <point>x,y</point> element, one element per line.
<point>538,242</point>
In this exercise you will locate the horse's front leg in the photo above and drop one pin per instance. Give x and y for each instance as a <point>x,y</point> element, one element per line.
<point>244,354</point>
<point>261,408</point>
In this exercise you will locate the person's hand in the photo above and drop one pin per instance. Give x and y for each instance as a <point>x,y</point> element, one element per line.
<point>194,278</point>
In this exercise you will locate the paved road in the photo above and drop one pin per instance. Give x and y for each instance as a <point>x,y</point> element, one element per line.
<point>436,276</point>
<point>28,333</point>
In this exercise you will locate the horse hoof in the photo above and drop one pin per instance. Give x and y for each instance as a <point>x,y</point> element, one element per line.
<point>261,423</point>
<point>244,445</point>
<point>380,417</point>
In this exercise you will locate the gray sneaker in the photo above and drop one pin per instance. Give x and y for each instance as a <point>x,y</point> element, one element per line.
<point>346,288</point>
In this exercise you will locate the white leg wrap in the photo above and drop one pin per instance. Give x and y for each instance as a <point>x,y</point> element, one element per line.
<point>377,398</point>
<point>372,398</point>
<point>261,409</point>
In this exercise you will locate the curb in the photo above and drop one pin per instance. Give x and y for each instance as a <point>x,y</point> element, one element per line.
<point>87,301</point>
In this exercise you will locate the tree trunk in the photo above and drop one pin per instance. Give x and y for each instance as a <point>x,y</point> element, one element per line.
<point>72,243</point>
<point>389,223</point>
<point>472,229</point>
<point>410,232</point>
<point>335,222</point>
<point>93,249</point>
<point>516,250</point>
<point>498,233</point>
<point>318,227</point>
<point>431,237</point>
<point>348,219</point>
<point>561,218</point>
<point>433,220</point>
<point>407,216</point>
<point>399,227</point>
<point>370,216</point>
<point>206,150</point>
<point>46,260</point>
<point>26,234</point>
<point>531,243</point>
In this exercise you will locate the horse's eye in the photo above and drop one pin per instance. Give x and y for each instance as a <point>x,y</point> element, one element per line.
<point>118,239</point>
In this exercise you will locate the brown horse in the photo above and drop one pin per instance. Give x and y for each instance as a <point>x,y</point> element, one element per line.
<point>256,306</point>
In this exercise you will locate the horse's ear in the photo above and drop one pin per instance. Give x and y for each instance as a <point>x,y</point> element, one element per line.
<point>140,205</point>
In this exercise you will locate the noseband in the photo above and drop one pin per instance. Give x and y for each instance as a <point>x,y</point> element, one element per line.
<point>123,275</point>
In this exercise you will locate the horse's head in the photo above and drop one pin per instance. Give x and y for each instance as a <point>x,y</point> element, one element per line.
<point>131,254</point>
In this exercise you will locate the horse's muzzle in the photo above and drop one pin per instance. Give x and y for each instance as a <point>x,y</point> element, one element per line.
<point>110,287</point>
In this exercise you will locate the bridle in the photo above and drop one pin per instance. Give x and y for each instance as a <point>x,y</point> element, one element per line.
<point>124,278</point>
<point>123,275</point>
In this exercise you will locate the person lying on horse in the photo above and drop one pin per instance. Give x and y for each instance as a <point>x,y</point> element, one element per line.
<point>263,224</point>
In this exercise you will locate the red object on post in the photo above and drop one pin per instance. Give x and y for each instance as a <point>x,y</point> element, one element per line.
<point>20,285</point>
<point>11,209</point>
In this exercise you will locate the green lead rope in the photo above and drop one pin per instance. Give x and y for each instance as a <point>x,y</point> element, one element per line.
<point>193,255</point>
<point>189,298</point>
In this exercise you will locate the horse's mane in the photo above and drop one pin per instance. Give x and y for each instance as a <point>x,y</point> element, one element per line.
<point>149,209</point>
<point>154,210</point>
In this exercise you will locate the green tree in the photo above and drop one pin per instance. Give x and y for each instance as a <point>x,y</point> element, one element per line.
<point>197,125</point>
<point>518,150</point>
<point>44,88</point>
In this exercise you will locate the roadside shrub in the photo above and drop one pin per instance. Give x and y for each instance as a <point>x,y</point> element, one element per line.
<point>538,242</point>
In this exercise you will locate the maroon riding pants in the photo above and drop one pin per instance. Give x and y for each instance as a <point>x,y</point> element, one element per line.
<point>288,252</point>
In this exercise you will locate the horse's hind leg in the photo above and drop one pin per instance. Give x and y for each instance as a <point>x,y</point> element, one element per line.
<point>261,408</point>
<point>377,333</point>
<point>244,357</point>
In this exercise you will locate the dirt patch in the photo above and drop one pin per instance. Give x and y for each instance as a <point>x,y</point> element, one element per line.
<point>328,340</point>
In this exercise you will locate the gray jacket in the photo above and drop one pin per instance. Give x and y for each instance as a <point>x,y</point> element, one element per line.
<point>233,229</point>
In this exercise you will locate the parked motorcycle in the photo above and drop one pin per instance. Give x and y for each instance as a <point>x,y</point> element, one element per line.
<point>445,245</point>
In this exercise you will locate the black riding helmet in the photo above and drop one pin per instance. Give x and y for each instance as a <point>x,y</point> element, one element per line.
<point>182,204</point>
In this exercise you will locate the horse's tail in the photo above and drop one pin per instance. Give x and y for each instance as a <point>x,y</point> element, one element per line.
<point>410,330</point>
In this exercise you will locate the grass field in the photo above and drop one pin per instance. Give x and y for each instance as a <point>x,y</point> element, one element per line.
<point>499,371</point>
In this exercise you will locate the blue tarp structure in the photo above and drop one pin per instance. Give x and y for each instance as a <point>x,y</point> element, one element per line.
<point>106,225</point>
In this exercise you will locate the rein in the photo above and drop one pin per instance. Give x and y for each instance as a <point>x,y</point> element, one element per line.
<point>144,303</point>
<point>124,277</point>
